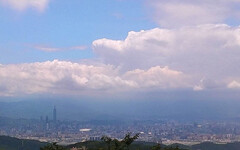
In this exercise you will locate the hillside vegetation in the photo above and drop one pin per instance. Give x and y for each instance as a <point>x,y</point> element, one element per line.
<point>9,143</point>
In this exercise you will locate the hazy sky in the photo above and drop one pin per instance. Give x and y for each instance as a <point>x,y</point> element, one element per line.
<point>117,47</point>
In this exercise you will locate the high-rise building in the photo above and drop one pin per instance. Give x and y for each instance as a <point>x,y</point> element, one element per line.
<point>41,118</point>
<point>54,114</point>
<point>47,123</point>
<point>46,119</point>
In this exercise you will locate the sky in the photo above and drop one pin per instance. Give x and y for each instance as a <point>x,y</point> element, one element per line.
<point>98,48</point>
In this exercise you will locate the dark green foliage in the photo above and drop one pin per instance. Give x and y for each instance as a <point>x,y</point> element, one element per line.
<point>128,140</point>
<point>171,148</point>
<point>212,146</point>
<point>96,145</point>
<point>9,143</point>
<point>91,145</point>
<point>115,144</point>
<point>52,146</point>
<point>107,140</point>
<point>126,144</point>
<point>157,147</point>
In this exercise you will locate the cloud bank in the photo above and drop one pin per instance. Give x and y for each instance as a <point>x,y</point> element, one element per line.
<point>193,52</point>
<point>208,53</point>
<point>174,13</point>
<point>62,77</point>
<point>194,58</point>
<point>21,5</point>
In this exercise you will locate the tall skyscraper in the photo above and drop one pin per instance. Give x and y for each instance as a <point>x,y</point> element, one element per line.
<point>47,124</point>
<point>46,119</point>
<point>41,118</point>
<point>54,114</point>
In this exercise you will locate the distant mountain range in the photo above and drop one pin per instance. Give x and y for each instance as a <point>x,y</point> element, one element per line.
<point>85,110</point>
<point>9,143</point>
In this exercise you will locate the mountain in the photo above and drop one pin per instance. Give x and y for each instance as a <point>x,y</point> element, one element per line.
<point>147,146</point>
<point>9,143</point>
<point>122,110</point>
<point>95,145</point>
<point>212,146</point>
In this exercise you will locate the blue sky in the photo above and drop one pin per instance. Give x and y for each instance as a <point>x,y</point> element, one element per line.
<point>119,47</point>
<point>63,24</point>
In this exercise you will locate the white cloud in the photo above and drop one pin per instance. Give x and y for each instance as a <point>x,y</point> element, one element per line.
<point>206,51</point>
<point>210,84</point>
<point>47,49</point>
<point>157,77</point>
<point>174,13</point>
<point>62,77</point>
<point>81,47</point>
<point>55,49</point>
<point>234,85</point>
<point>21,5</point>
<point>198,88</point>
<point>200,57</point>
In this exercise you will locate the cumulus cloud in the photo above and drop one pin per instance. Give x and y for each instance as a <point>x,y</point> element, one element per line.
<point>175,13</point>
<point>209,52</point>
<point>62,77</point>
<point>21,5</point>
<point>157,77</point>
<point>234,85</point>
<point>203,57</point>
<point>192,55</point>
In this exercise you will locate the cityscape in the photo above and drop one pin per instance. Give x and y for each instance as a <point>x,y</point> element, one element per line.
<point>167,132</point>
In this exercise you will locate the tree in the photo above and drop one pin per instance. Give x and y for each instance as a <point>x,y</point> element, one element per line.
<point>128,140</point>
<point>107,140</point>
<point>52,146</point>
<point>171,148</point>
<point>120,145</point>
<point>117,145</point>
<point>157,147</point>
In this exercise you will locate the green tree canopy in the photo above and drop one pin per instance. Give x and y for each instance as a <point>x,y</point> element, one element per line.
<point>52,146</point>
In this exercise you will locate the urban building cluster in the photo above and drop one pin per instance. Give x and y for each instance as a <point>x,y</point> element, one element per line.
<point>167,132</point>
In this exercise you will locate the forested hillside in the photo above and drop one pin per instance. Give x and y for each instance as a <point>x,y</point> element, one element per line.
<point>9,143</point>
